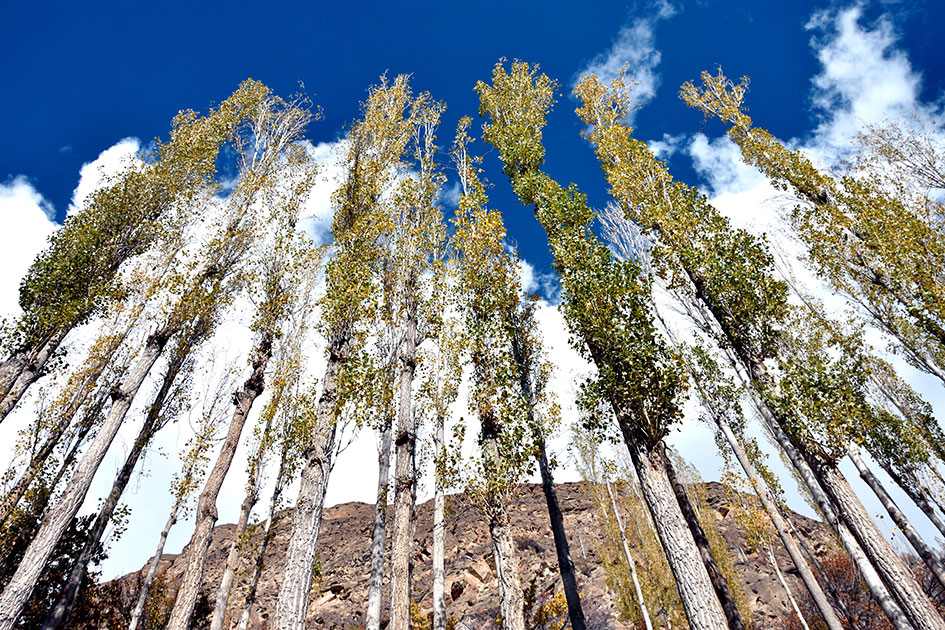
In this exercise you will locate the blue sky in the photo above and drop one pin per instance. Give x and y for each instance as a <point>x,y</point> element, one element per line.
<point>80,79</point>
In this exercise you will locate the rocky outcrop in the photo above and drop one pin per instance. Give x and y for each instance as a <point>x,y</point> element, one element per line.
<point>471,588</point>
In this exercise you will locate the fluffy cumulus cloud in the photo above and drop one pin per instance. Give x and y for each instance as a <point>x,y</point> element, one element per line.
<point>634,47</point>
<point>110,162</point>
<point>28,220</point>
<point>864,79</point>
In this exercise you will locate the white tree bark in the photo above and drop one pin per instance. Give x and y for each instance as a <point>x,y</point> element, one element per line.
<point>18,590</point>
<point>404,481</point>
<point>206,505</point>
<point>439,534</point>
<point>900,581</point>
<point>233,556</point>
<point>774,513</point>
<point>925,552</point>
<point>787,589</point>
<point>692,580</point>
<point>511,598</point>
<point>372,617</point>
<point>25,369</point>
<point>138,611</point>
<point>630,562</point>
<point>292,604</point>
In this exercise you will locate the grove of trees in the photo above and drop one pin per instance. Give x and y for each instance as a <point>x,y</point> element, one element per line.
<point>412,308</point>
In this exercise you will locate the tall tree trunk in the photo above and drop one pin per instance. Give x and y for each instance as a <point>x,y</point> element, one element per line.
<point>404,481</point>
<point>837,599</point>
<point>206,505</point>
<point>439,534</point>
<point>372,616</point>
<point>18,590</point>
<point>925,552</point>
<point>233,556</point>
<point>719,582</point>
<point>292,604</point>
<point>25,368</point>
<point>918,493</point>
<point>138,612</point>
<point>787,589</point>
<point>901,583</point>
<point>62,608</point>
<point>692,580</point>
<point>562,549</point>
<point>511,598</point>
<point>261,554</point>
<point>774,513</point>
<point>871,576</point>
<point>64,418</point>
<point>630,562</point>
<point>37,461</point>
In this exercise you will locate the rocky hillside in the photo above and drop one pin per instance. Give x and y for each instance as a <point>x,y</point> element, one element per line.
<point>471,586</point>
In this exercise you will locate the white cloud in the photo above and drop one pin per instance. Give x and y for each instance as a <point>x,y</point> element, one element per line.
<point>449,196</point>
<point>864,78</point>
<point>316,215</point>
<point>667,146</point>
<point>111,161</point>
<point>28,220</point>
<point>633,47</point>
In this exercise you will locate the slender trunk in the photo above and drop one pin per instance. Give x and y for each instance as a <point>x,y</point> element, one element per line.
<point>18,590</point>
<point>233,556</point>
<point>695,589</point>
<point>825,504</point>
<point>138,612</point>
<point>900,581</point>
<point>562,549</point>
<point>837,599</point>
<point>404,481</point>
<point>292,604</point>
<point>923,496</point>
<point>925,552</point>
<point>206,505</point>
<point>919,495</point>
<point>439,534</point>
<point>261,553</point>
<point>787,589</point>
<point>511,598</point>
<point>719,583</point>
<point>62,608</point>
<point>372,616</point>
<point>24,369</point>
<point>630,562</point>
<point>774,513</point>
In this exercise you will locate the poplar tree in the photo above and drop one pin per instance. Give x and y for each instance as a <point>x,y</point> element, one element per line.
<point>721,402</point>
<point>77,276</point>
<point>277,156</point>
<point>605,303</point>
<point>727,274</point>
<point>488,294</point>
<point>417,234</point>
<point>440,374</point>
<point>204,286</point>
<point>183,486</point>
<point>532,371</point>
<point>374,149</point>
<point>883,249</point>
